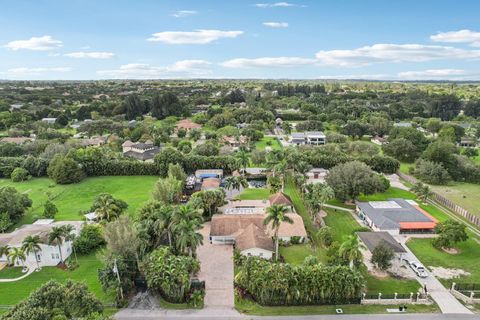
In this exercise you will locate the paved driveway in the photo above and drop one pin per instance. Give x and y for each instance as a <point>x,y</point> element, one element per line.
<point>216,268</point>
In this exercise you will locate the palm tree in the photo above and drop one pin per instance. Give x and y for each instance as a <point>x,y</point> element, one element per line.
<point>350,250</point>
<point>187,238</point>
<point>276,214</point>
<point>56,236</point>
<point>163,223</point>
<point>317,195</point>
<point>243,159</point>
<point>70,236</point>
<point>32,244</point>
<point>17,254</point>
<point>4,250</point>
<point>231,183</point>
<point>107,208</point>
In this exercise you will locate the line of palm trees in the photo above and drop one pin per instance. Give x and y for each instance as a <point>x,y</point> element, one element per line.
<point>31,244</point>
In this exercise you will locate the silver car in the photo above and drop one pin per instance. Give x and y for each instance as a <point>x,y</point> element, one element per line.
<point>419,269</point>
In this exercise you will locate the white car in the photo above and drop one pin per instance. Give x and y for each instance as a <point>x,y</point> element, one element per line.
<point>419,269</point>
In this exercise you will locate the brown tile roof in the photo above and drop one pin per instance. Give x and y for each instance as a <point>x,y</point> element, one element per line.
<point>253,237</point>
<point>233,225</point>
<point>280,198</point>
<point>210,183</point>
<point>188,124</point>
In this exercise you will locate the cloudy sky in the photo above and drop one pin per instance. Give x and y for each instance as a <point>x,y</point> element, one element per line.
<point>150,39</point>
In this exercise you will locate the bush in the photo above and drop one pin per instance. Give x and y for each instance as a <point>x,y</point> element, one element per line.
<point>431,172</point>
<point>64,170</point>
<point>19,175</point>
<point>295,240</point>
<point>49,210</point>
<point>89,239</point>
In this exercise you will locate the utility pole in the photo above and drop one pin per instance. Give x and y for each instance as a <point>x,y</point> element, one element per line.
<point>115,270</point>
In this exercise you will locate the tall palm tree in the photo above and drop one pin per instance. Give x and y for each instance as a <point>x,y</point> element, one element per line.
<point>276,215</point>
<point>243,159</point>
<point>163,223</point>
<point>17,255</point>
<point>70,236</point>
<point>350,250</point>
<point>317,195</point>
<point>56,236</point>
<point>32,244</point>
<point>107,208</point>
<point>231,183</point>
<point>187,238</point>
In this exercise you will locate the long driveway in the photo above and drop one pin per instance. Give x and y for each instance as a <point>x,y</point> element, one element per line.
<point>443,297</point>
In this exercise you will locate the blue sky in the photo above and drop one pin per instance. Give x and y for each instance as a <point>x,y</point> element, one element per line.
<point>370,39</point>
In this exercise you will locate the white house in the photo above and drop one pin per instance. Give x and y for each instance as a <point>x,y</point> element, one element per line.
<point>309,137</point>
<point>49,120</point>
<point>48,255</point>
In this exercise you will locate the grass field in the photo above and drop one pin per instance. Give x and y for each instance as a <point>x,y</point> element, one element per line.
<point>296,254</point>
<point>292,191</point>
<point>268,142</point>
<point>392,192</point>
<point>465,195</point>
<point>13,292</point>
<point>252,308</point>
<point>254,194</point>
<point>390,285</point>
<point>73,198</point>
<point>342,224</point>
<point>468,259</point>
<point>11,272</point>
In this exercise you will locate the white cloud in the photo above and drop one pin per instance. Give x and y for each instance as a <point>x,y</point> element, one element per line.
<point>184,13</point>
<point>44,43</point>
<point>358,76</point>
<point>393,53</point>
<point>268,62</point>
<point>276,4</point>
<point>460,36</point>
<point>36,71</point>
<point>90,55</point>
<point>276,24</point>
<point>431,74</point>
<point>193,37</point>
<point>180,69</point>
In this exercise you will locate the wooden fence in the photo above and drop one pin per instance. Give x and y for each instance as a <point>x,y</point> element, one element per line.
<point>456,209</point>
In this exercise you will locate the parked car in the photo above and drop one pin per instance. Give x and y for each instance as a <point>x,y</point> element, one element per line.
<point>419,269</point>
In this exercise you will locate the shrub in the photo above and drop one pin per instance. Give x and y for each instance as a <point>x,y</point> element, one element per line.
<point>19,175</point>
<point>431,172</point>
<point>295,240</point>
<point>49,210</point>
<point>89,239</point>
<point>64,170</point>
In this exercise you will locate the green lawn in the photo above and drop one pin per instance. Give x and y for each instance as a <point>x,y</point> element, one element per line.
<point>296,254</point>
<point>292,191</point>
<point>254,194</point>
<point>392,192</point>
<point>404,167</point>
<point>390,285</point>
<point>468,259</point>
<point>268,142</point>
<point>13,292</point>
<point>252,308</point>
<point>342,224</point>
<point>73,198</point>
<point>11,272</point>
<point>463,194</point>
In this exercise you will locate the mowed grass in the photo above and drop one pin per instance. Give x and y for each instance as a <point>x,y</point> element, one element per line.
<point>391,192</point>
<point>254,194</point>
<point>11,272</point>
<point>252,308</point>
<point>73,198</point>
<point>390,285</point>
<point>87,272</point>
<point>296,254</point>
<point>342,224</point>
<point>468,259</point>
<point>268,142</point>
<point>466,195</point>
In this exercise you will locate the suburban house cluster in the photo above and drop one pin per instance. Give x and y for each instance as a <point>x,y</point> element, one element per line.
<point>49,254</point>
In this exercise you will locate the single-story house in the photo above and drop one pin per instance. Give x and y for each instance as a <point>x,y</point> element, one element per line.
<point>140,151</point>
<point>396,216</point>
<point>468,142</point>
<point>254,242</point>
<point>234,142</point>
<point>403,124</point>
<point>48,255</point>
<point>94,141</point>
<point>309,137</point>
<point>187,125</point>
<point>379,140</point>
<point>49,120</point>
<point>16,140</point>
<point>211,183</point>
<point>372,239</point>
<point>317,175</point>
<point>281,198</point>
<point>224,228</point>
<point>245,207</point>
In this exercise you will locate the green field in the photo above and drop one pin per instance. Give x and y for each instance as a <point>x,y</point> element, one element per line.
<point>296,254</point>
<point>73,198</point>
<point>254,194</point>
<point>392,192</point>
<point>465,195</point>
<point>390,285</point>
<point>11,272</point>
<point>468,259</point>
<point>268,142</point>
<point>342,224</point>
<point>13,292</point>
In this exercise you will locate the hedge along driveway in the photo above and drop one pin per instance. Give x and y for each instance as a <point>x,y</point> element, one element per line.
<point>73,198</point>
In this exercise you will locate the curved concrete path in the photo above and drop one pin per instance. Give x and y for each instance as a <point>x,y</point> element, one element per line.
<point>29,272</point>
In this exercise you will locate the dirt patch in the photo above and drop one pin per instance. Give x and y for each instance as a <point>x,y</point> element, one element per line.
<point>379,274</point>
<point>446,273</point>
